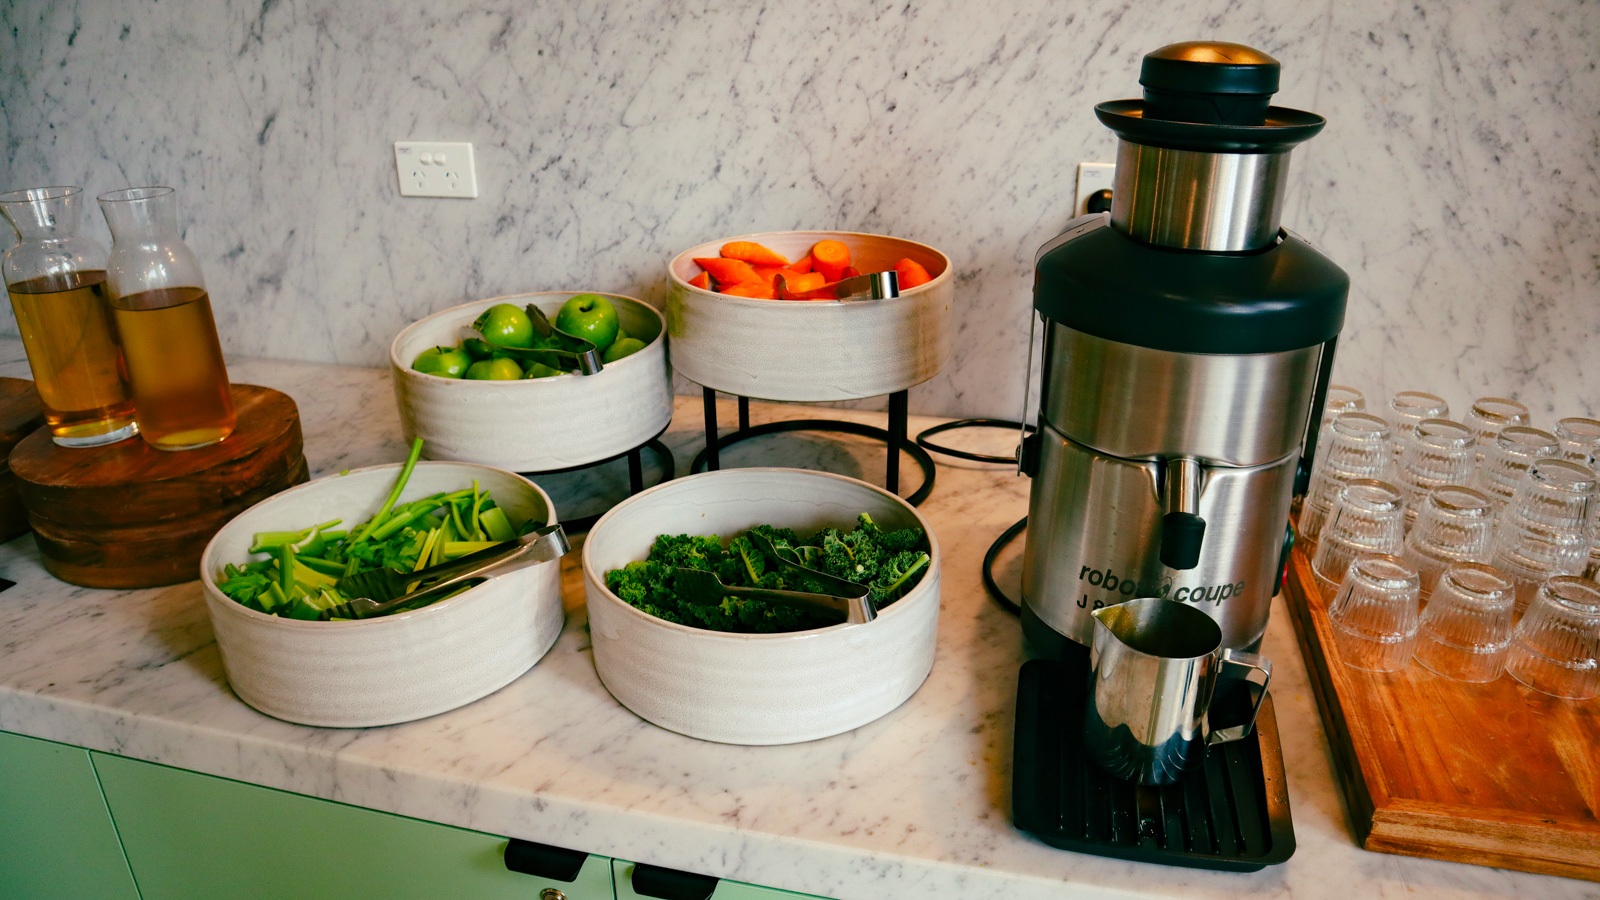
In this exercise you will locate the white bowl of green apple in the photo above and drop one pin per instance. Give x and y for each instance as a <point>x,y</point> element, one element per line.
<point>469,403</point>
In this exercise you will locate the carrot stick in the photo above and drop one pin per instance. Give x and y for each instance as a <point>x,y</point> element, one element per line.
<point>702,281</point>
<point>911,274</point>
<point>849,272</point>
<point>768,274</point>
<point>803,266</point>
<point>830,258</point>
<point>800,284</point>
<point>753,289</point>
<point>727,271</point>
<point>753,253</point>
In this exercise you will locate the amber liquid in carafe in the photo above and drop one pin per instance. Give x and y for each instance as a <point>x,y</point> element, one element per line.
<point>72,347</point>
<point>180,386</point>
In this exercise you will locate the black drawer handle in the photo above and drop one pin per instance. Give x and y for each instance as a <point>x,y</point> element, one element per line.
<point>544,861</point>
<point>670,884</point>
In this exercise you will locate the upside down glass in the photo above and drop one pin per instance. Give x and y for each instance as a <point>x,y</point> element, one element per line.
<point>1489,415</point>
<point>1368,517</point>
<point>158,295</point>
<point>1439,453</point>
<point>1407,409</point>
<point>1374,614</point>
<point>56,279</point>
<point>1556,647</point>
<point>1506,460</point>
<point>1356,445</point>
<point>1544,531</point>
<point>1454,525</point>
<point>1466,628</point>
<point>1580,440</point>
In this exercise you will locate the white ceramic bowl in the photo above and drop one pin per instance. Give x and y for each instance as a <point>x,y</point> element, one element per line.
<point>536,424</point>
<point>756,688</point>
<point>394,668</point>
<point>815,350</point>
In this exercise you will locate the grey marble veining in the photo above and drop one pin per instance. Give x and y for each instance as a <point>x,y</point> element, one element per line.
<point>1456,181</point>
<point>911,807</point>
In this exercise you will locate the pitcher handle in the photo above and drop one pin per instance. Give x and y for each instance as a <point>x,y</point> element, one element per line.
<point>1254,663</point>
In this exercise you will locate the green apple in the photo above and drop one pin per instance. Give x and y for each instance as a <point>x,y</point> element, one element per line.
<point>540,370</point>
<point>591,317</point>
<point>477,349</point>
<point>506,325</point>
<point>445,362</point>
<point>494,370</point>
<point>623,347</point>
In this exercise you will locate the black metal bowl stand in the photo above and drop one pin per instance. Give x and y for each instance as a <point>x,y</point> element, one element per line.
<point>635,458</point>
<point>710,458</point>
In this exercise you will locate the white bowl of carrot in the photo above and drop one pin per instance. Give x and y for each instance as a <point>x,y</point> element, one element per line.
<point>728,335</point>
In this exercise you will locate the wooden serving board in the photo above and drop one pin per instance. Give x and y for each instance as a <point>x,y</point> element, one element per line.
<point>1493,774</point>
<point>21,413</point>
<point>126,515</point>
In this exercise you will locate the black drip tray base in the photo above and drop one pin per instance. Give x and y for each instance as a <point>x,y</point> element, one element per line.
<point>1231,813</point>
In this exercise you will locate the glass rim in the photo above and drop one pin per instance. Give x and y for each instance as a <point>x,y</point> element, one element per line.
<point>37,194</point>
<point>1385,570</point>
<point>1573,592</point>
<point>1590,428</point>
<point>1453,434</point>
<point>1374,495</point>
<point>1573,478</point>
<point>135,194</point>
<point>1430,402</point>
<point>1350,424</point>
<point>1485,408</point>
<point>1511,436</point>
<point>1353,395</point>
<point>1493,583</point>
<point>1466,500</point>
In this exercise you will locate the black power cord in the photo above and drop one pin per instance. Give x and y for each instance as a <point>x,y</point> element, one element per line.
<point>1010,534</point>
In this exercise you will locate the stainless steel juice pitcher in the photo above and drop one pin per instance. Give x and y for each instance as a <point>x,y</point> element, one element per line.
<point>1187,344</point>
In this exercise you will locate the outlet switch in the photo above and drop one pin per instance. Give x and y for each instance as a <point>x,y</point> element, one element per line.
<point>435,169</point>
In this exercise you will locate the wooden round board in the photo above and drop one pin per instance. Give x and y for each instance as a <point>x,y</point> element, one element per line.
<point>20,414</point>
<point>127,515</point>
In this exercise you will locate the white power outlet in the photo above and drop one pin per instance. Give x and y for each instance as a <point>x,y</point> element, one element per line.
<point>435,169</point>
<point>1092,177</point>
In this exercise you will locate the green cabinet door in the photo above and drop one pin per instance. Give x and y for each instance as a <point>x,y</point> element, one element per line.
<point>195,837</point>
<point>56,838</point>
<point>726,890</point>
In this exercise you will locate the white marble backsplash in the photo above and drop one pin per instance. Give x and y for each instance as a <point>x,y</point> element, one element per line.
<point>1456,182</point>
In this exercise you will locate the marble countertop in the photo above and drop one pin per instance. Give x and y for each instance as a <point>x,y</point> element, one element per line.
<point>915,805</point>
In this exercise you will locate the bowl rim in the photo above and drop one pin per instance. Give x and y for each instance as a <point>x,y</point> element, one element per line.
<point>394,345</point>
<point>923,586</point>
<point>672,275</point>
<point>216,598</point>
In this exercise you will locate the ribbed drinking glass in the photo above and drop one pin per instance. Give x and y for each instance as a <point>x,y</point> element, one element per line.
<point>1580,440</point>
<point>1491,415</point>
<point>1341,399</point>
<point>1355,446</point>
<point>1544,530</point>
<point>1454,525</point>
<point>1466,627</point>
<point>1505,462</point>
<point>1374,614</point>
<point>1368,517</point>
<point>1439,453</point>
<point>1409,408</point>
<point>1556,647</point>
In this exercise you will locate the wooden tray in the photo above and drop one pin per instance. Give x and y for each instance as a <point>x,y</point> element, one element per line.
<point>126,515</point>
<point>1493,774</point>
<point>20,414</point>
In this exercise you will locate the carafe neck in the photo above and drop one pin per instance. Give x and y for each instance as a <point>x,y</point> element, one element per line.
<point>43,214</point>
<point>137,213</point>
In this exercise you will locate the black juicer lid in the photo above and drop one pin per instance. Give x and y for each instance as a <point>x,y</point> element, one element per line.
<point>1209,96</point>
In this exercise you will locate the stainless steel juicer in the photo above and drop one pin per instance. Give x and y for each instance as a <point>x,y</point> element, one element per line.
<point>1187,343</point>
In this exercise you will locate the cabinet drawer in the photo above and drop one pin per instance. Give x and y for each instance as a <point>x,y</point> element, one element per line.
<point>725,890</point>
<point>196,837</point>
<point>56,837</point>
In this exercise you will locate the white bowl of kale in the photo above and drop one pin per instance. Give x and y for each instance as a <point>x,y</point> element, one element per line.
<point>749,671</point>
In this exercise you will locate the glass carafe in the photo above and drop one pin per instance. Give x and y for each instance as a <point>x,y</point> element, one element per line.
<point>158,296</point>
<point>56,279</point>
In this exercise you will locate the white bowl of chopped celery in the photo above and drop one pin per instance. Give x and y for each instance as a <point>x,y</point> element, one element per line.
<point>755,688</point>
<point>398,667</point>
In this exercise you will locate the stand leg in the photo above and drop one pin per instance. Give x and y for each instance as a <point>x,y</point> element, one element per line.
<point>744,413</point>
<point>897,439</point>
<point>635,471</point>
<point>713,458</point>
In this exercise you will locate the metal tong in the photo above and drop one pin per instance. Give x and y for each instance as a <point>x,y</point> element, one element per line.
<point>577,351</point>
<point>846,599</point>
<point>537,546</point>
<point>871,286</point>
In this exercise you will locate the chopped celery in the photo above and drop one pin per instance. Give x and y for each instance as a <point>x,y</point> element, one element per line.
<point>455,549</point>
<point>497,525</point>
